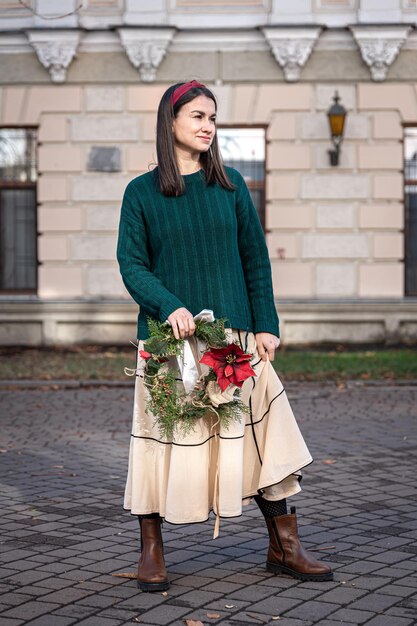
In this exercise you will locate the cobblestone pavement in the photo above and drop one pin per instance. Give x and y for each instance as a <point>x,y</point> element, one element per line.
<point>64,531</point>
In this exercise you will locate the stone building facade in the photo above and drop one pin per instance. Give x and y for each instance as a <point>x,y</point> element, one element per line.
<point>86,78</point>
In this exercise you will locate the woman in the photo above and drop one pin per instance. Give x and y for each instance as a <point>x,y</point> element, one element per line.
<point>190,239</point>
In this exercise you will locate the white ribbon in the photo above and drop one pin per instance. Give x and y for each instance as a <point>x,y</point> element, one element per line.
<point>188,364</point>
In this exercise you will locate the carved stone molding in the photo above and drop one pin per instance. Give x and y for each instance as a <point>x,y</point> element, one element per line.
<point>291,48</point>
<point>146,47</point>
<point>379,46</point>
<point>55,50</point>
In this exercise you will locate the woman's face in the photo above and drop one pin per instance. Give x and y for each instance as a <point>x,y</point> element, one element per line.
<point>195,125</point>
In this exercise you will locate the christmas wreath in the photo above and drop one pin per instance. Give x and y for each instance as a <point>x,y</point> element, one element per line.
<point>179,392</point>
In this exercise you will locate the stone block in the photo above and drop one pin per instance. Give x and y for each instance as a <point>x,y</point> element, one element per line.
<point>93,188</point>
<point>288,156</point>
<point>335,215</point>
<point>389,96</point>
<point>388,186</point>
<point>102,217</point>
<point>145,97</point>
<point>282,186</point>
<point>104,98</point>
<point>282,126</point>
<point>52,248</point>
<point>322,331</point>
<point>337,186</point>
<point>282,245</point>
<point>281,97</point>
<point>387,125</point>
<point>336,279</point>
<point>141,157</point>
<point>104,128</point>
<point>148,126</point>
<point>294,216</point>
<point>325,93</point>
<point>347,157</point>
<point>105,280</point>
<point>225,97</point>
<point>92,247</point>
<point>56,219</point>
<point>60,281</point>
<point>316,126</point>
<point>388,215</point>
<point>52,188</point>
<point>59,158</point>
<point>53,128</point>
<point>292,278</point>
<point>388,246</point>
<point>381,280</point>
<point>60,98</point>
<point>381,156</point>
<point>335,245</point>
<point>20,334</point>
<point>14,99</point>
<point>243,103</point>
<point>104,159</point>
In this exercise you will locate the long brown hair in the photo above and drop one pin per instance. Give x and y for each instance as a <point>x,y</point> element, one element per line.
<point>170,179</point>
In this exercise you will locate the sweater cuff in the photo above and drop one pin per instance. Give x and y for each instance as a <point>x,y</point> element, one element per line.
<point>169,307</point>
<point>266,327</point>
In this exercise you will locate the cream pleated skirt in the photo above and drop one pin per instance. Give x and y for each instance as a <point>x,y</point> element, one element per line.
<point>212,468</point>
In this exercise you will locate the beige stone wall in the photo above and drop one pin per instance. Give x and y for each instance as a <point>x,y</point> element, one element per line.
<point>333,232</point>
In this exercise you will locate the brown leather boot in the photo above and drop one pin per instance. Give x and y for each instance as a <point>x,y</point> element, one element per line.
<point>152,573</point>
<point>286,555</point>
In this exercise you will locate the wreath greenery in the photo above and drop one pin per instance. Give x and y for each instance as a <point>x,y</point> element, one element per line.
<point>217,392</point>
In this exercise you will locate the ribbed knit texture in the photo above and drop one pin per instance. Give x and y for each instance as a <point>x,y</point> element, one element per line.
<point>203,250</point>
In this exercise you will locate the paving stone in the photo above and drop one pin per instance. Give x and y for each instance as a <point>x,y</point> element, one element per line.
<point>30,610</point>
<point>164,614</point>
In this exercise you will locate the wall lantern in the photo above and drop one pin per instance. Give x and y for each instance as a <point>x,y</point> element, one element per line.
<point>337,116</point>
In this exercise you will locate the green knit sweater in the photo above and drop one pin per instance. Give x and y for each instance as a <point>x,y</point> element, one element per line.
<point>203,250</point>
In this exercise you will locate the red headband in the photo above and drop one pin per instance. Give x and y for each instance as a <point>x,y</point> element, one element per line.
<point>180,91</point>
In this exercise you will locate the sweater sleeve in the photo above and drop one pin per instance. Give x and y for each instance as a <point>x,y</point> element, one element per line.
<point>256,264</point>
<point>134,262</point>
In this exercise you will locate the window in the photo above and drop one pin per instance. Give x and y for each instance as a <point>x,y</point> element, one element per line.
<point>18,252</point>
<point>410,144</point>
<point>244,149</point>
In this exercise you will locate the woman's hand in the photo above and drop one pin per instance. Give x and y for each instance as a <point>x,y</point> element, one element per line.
<point>266,343</point>
<point>182,322</point>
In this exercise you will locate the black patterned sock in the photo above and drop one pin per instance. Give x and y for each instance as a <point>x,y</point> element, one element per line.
<point>148,516</point>
<point>271,508</point>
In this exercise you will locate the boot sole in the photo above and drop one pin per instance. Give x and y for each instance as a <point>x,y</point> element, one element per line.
<point>282,569</point>
<point>162,586</point>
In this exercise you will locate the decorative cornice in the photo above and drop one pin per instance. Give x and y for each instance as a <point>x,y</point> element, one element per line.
<point>379,46</point>
<point>55,50</point>
<point>146,47</point>
<point>291,47</point>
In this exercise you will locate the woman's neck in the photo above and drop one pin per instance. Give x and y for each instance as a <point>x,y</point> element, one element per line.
<point>188,165</point>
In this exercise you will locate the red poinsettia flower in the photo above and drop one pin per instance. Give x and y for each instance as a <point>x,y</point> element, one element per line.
<point>230,364</point>
<point>144,354</point>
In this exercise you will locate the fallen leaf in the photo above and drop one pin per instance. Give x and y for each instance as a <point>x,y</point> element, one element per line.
<point>165,593</point>
<point>126,575</point>
<point>329,461</point>
<point>275,617</point>
<point>192,622</point>
<point>213,615</point>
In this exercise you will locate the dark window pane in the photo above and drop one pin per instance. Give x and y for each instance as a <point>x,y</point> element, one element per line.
<point>18,239</point>
<point>410,172</point>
